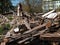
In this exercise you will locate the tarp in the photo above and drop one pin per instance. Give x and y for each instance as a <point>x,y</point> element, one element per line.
<point>48,13</point>
<point>52,15</point>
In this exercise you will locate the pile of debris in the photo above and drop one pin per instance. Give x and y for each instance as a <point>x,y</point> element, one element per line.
<point>32,27</point>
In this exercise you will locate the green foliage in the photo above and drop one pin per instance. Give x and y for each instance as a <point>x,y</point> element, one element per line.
<point>1,29</point>
<point>58,9</point>
<point>32,6</point>
<point>5,6</point>
<point>6,26</point>
<point>10,18</point>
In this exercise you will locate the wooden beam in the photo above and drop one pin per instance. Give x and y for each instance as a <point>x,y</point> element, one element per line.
<point>5,40</point>
<point>40,32</point>
<point>27,25</point>
<point>38,27</point>
<point>3,43</point>
<point>31,37</point>
<point>24,40</point>
<point>55,43</point>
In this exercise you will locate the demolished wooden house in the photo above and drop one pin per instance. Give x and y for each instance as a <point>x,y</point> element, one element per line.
<point>47,30</point>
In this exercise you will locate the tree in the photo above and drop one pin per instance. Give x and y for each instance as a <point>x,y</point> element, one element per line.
<point>27,6</point>
<point>32,5</point>
<point>58,9</point>
<point>5,6</point>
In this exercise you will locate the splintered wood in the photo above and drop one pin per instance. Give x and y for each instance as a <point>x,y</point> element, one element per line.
<point>48,24</point>
<point>4,41</point>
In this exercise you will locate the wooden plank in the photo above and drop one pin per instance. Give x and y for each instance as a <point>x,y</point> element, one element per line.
<point>55,43</point>
<point>3,43</point>
<point>24,40</point>
<point>27,25</point>
<point>40,32</point>
<point>38,27</point>
<point>31,37</point>
<point>49,35</point>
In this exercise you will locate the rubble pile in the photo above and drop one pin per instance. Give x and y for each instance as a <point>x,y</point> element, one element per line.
<point>28,28</point>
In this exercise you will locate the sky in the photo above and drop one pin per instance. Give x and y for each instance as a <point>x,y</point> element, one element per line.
<point>15,2</point>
